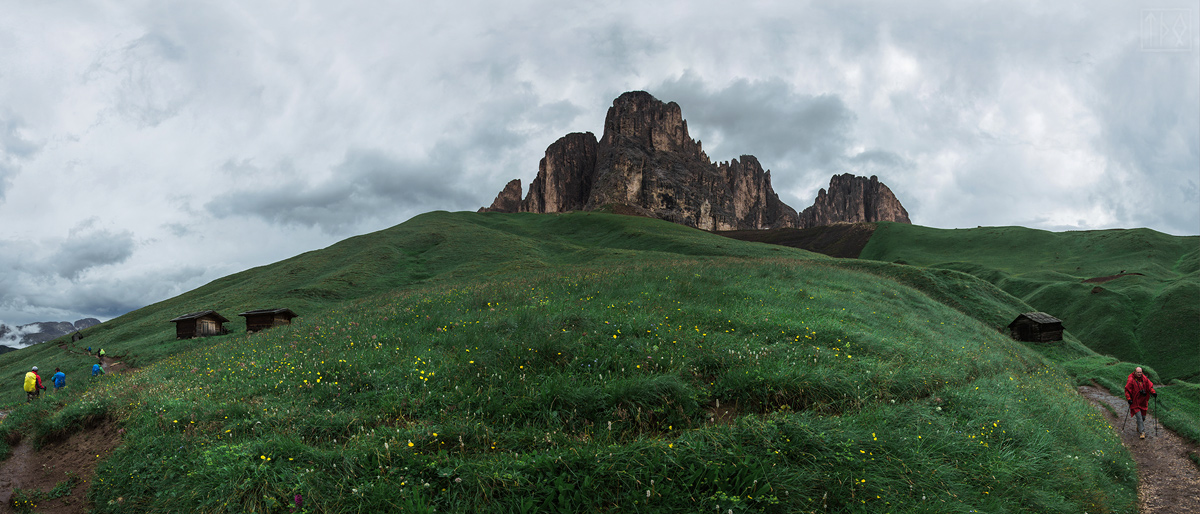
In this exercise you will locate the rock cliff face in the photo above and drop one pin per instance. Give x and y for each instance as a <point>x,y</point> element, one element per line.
<point>565,175</point>
<point>509,199</point>
<point>853,199</point>
<point>646,162</point>
<point>647,159</point>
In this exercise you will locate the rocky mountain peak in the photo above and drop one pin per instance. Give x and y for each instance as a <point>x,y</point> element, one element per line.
<point>646,162</point>
<point>639,120</point>
<point>852,199</point>
<point>565,175</point>
<point>509,199</point>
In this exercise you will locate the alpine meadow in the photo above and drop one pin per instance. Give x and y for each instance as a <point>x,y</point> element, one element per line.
<point>595,362</point>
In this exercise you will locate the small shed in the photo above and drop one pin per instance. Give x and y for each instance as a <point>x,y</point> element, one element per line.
<point>76,336</point>
<point>263,319</point>
<point>1036,327</point>
<point>200,324</point>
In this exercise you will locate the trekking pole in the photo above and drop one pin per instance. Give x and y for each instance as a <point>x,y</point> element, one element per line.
<point>1157,422</point>
<point>1123,423</point>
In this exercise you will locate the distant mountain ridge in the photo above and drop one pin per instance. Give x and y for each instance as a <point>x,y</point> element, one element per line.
<point>647,163</point>
<point>39,332</point>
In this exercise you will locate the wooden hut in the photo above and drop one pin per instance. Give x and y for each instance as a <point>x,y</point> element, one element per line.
<point>200,324</point>
<point>1036,327</point>
<point>263,319</point>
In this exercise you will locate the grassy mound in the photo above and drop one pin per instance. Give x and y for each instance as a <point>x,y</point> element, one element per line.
<point>584,362</point>
<point>844,240</point>
<point>1133,294</point>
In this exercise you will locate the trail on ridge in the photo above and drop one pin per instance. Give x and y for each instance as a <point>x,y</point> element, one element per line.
<point>1168,481</point>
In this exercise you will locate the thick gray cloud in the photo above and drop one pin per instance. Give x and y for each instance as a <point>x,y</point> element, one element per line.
<point>374,185</point>
<point>366,184</point>
<point>50,279</point>
<point>108,297</point>
<point>28,298</point>
<point>1149,130</point>
<point>768,119</point>
<point>805,139</point>
<point>800,137</point>
<point>14,147</point>
<point>88,247</point>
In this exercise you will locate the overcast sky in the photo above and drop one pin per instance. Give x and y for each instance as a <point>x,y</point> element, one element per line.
<point>149,147</point>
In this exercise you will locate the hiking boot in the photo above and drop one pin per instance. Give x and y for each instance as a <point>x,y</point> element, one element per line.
<point>1143,435</point>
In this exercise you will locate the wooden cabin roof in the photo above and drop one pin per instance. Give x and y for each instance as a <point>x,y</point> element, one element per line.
<point>198,315</point>
<point>268,311</point>
<point>1039,317</point>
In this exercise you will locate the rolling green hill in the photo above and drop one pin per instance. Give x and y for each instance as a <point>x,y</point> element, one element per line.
<point>587,362</point>
<point>1133,294</point>
<point>844,240</point>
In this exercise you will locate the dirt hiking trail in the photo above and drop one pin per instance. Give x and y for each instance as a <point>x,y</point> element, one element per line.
<point>44,469</point>
<point>59,461</point>
<point>1168,481</point>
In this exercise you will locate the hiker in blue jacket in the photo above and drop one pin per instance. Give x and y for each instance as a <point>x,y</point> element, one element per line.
<point>59,378</point>
<point>97,370</point>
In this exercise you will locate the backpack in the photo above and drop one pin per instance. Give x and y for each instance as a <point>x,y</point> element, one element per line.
<point>30,382</point>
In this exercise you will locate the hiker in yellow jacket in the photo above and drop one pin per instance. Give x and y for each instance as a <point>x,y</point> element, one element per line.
<point>33,385</point>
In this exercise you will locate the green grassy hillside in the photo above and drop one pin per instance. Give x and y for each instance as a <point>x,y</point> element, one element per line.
<point>427,250</point>
<point>1148,314</point>
<point>844,240</point>
<point>588,362</point>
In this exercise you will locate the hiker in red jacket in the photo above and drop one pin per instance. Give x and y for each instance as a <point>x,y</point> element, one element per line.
<point>1138,390</point>
<point>33,385</point>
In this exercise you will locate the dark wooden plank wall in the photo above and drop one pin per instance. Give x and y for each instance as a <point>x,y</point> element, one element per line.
<point>264,321</point>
